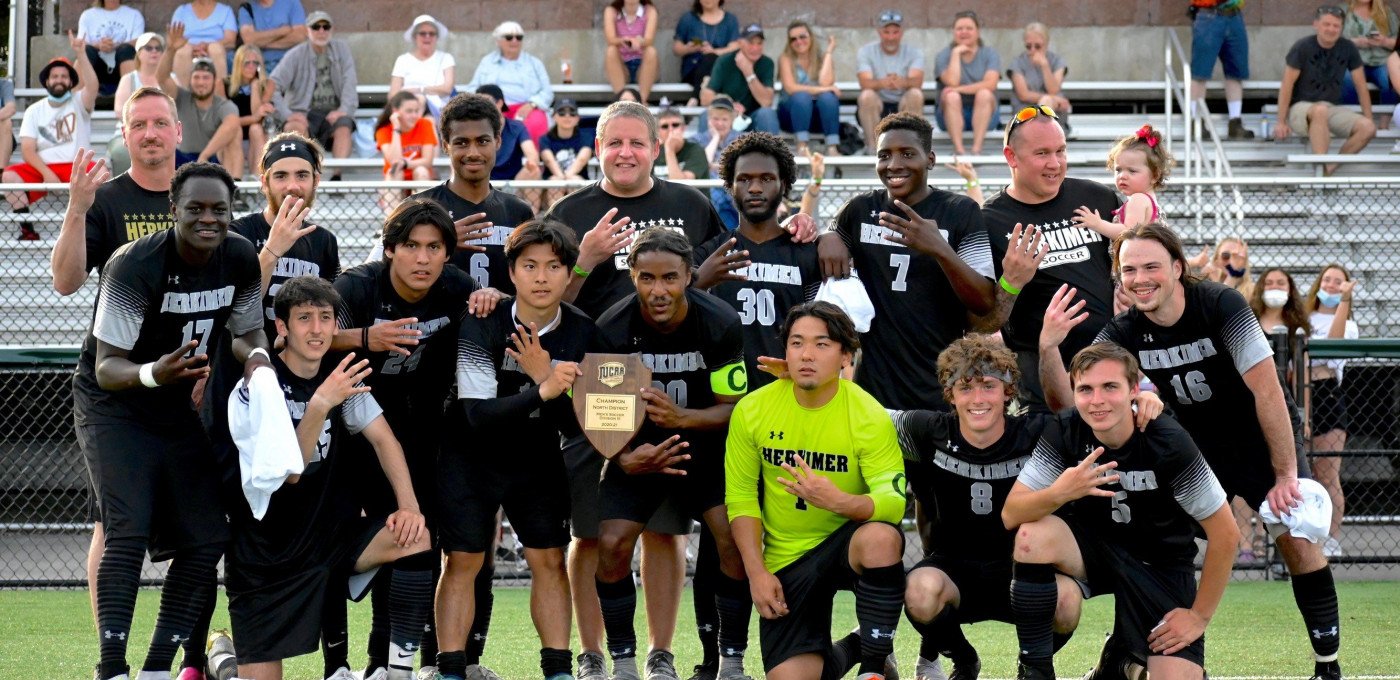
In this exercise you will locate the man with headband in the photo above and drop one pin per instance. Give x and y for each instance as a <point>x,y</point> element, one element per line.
<point>961,466</point>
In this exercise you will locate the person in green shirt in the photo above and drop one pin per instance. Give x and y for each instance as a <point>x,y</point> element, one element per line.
<point>746,76</point>
<point>684,159</point>
<point>832,476</point>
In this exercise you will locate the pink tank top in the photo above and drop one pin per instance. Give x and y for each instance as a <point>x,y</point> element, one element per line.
<point>636,28</point>
<point>1156,211</point>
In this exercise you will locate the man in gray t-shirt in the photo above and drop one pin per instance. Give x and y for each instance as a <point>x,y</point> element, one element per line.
<point>891,76</point>
<point>210,129</point>
<point>1038,74</point>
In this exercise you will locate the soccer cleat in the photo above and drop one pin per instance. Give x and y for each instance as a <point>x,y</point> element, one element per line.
<point>705,672</point>
<point>190,673</point>
<point>221,660</point>
<point>966,668</point>
<point>591,666</point>
<point>661,665</point>
<point>380,673</point>
<point>477,671</point>
<point>1026,672</point>
<point>1329,670</point>
<point>427,673</point>
<point>929,670</point>
<point>1115,663</point>
<point>870,676</point>
<point>733,674</point>
<point>342,673</point>
<point>891,667</point>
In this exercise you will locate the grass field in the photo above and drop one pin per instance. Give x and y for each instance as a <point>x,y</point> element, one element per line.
<point>1257,634</point>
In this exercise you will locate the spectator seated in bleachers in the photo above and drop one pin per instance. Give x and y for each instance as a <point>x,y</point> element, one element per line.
<point>520,76</point>
<point>210,130</point>
<point>425,70</point>
<point>8,108</point>
<point>810,99</point>
<point>408,140</point>
<point>702,36</point>
<point>968,71</point>
<point>1037,74</point>
<point>715,138</point>
<point>251,91</point>
<point>1372,26</point>
<point>149,49</point>
<point>53,130</point>
<point>109,30</point>
<point>275,26</point>
<point>684,159</point>
<point>746,76</point>
<point>891,76</point>
<point>316,88</point>
<point>1310,95</point>
<point>517,157</point>
<point>211,30</point>
<point>629,93</point>
<point>629,26</point>
<point>566,149</point>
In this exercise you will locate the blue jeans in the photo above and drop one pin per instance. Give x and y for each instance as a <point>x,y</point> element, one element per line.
<point>1374,74</point>
<point>795,116</point>
<point>764,120</point>
<point>1219,36</point>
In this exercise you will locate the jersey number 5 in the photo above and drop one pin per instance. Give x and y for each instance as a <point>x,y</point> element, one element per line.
<point>1193,390</point>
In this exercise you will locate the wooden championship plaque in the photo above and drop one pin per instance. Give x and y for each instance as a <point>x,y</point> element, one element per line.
<point>607,399</point>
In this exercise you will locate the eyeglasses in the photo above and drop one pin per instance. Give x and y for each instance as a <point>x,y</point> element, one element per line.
<point>668,126</point>
<point>1026,114</point>
<point>566,112</point>
<point>1330,9</point>
<point>153,48</point>
<point>252,63</point>
<point>327,27</point>
<point>1031,47</point>
<point>800,36</point>
<point>427,34</point>
<point>514,37</point>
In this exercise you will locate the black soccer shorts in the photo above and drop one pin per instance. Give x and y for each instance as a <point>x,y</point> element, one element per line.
<point>474,484</point>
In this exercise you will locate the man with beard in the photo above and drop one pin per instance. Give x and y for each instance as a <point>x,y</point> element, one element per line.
<point>211,132</point>
<point>53,131</point>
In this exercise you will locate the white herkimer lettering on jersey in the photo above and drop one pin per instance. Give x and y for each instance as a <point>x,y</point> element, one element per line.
<point>197,301</point>
<point>1067,244</point>
<point>875,234</point>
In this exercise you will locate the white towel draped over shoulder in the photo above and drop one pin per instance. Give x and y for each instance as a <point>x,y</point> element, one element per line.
<point>261,426</point>
<point>849,294</point>
<point>1311,519</point>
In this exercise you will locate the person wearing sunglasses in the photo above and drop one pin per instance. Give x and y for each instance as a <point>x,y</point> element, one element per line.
<point>968,71</point>
<point>521,77</point>
<point>685,159</point>
<point>566,149</point>
<point>810,99</point>
<point>273,25</point>
<point>425,70</point>
<point>1310,96</point>
<point>1037,74</point>
<point>317,103</point>
<point>149,48</point>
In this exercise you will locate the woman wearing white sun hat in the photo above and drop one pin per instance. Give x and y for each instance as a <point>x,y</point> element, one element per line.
<point>425,70</point>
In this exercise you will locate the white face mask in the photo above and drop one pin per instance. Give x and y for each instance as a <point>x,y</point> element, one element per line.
<point>1275,299</point>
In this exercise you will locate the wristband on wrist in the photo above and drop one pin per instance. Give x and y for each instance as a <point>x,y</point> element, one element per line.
<point>973,183</point>
<point>582,273</point>
<point>364,338</point>
<point>817,181</point>
<point>259,350</point>
<point>1008,287</point>
<point>148,375</point>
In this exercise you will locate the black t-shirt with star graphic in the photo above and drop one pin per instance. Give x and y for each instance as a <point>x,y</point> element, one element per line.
<point>505,212</point>
<point>667,204</point>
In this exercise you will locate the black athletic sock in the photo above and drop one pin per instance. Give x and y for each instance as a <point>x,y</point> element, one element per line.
<point>1033,598</point>
<point>943,636</point>
<point>707,575</point>
<point>452,665</point>
<point>619,604</point>
<point>481,617</point>
<point>734,603</point>
<point>556,662</point>
<point>1316,595</point>
<point>879,601</point>
<point>843,655</point>
<point>410,605</point>
<point>1059,640</point>
<point>335,633</point>
<point>192,650</point>
<point>118,577</point>
<point>189,583</point>
<point>377,645</point>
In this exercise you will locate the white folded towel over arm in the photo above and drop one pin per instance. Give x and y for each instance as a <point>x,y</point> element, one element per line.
<point>261,426</point>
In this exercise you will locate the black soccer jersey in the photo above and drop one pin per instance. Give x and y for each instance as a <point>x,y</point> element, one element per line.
<point>503,405</point>
<point>1164,489</point>
<point>963,488</point>
<point>505,212</point>
<point>701,358</point>
<point>1077,256</point>
<point>670,205</point>
<point>315,254</point>
<point>411,389</point>
<point>781,275</point>
<point>302,519</point>
<point>150,302</point>
<point>1198,366</point>
<point>917,314</point>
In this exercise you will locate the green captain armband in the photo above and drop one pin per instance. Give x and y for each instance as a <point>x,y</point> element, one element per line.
<point>731,380</point>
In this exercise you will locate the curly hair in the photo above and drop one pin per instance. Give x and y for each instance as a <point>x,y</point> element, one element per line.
<point>469,106</point>
<point>1149,141</point>
<point>764,143</point>
<point>976,355</point>
<point>911,122</point>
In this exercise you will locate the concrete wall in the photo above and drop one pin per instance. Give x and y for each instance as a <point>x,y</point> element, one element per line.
<point>1126,37</point>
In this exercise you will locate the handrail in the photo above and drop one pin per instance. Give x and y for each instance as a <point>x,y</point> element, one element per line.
<point>1173,51</point>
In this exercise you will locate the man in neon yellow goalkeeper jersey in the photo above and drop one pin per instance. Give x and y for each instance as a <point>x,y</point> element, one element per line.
<point>829,463</point>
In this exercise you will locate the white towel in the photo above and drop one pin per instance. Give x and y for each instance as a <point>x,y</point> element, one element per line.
<point>849,295</point>
<point>1311,519</point>
<point>261,426</point>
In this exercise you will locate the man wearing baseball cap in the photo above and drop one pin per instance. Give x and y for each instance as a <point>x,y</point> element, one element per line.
<point>891,76</point>
<point>746,76</point>
<point>319,102</point>
<point>211,129</point>
<point>53,130</point>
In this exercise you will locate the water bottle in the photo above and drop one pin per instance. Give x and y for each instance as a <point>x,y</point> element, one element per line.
<point>567,67</point>
<point>665,101</point>
<point>223,665</point>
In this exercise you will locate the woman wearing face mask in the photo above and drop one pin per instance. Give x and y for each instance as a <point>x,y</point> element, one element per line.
<point>1329,306</point>
<point>1228,265</point>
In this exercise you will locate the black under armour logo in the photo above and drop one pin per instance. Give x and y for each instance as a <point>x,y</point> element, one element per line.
<point>775,435</point>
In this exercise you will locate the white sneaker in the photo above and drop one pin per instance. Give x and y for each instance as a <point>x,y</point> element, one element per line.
<point>1332,547</point>
<point>929,670</point>
<point>342,673</point>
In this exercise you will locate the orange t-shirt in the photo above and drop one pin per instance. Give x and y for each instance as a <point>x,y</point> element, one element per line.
<point>422,135</point>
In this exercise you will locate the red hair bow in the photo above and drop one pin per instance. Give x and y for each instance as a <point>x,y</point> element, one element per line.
<point>1148,136</point>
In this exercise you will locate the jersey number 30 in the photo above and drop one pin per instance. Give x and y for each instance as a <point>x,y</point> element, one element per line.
<point>758,305</point>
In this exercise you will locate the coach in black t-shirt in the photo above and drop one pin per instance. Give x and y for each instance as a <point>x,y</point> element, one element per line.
<point>1040,195</point>
<point>1312,89</point>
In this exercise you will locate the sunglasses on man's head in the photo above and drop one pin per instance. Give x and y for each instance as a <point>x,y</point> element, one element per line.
<point>1026,114</point>
<point>1332,10</point>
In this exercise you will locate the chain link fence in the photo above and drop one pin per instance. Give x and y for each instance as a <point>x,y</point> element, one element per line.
<point>1301,225</point>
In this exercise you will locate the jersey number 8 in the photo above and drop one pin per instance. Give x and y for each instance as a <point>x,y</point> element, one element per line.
<point>982,498</point>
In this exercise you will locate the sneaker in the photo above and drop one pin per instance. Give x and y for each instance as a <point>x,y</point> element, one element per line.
<point>27,232</point>
<point>705,672</point>
<point>733,674</point>
<point>929,670</point>
<point>870,676</point>
<point>477,671</point>
<point>1330,670</point>
<point>380,673</point>
<point>1332,548</point>
<point>1114,663</point>
<point>190,673</point>
<point>426,673</point>
<point>1238,131</point>
<point>222,662</point>
<point>967,668</point>
<point>661,665</point>
<point>1025,672</point>
<point>591,666</point>
<point>891,667</point>
<point>342,673</point>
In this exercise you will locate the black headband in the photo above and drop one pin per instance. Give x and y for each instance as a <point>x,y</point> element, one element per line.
<point>289,148</point>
